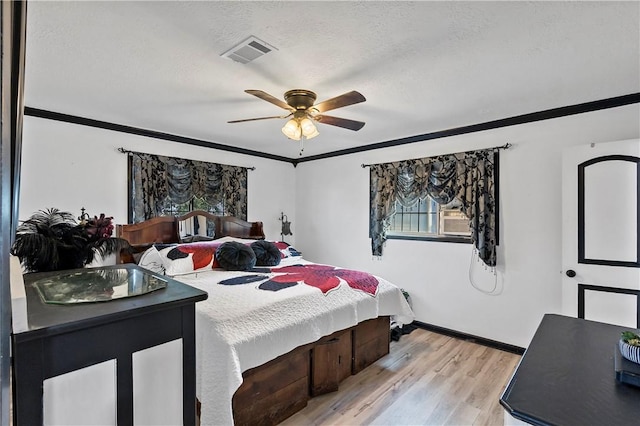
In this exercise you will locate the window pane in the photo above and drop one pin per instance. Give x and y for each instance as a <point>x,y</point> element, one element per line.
<point>432,222</point>
<point>425,218</point>
<point>406,222</point>
<point>423,223</point>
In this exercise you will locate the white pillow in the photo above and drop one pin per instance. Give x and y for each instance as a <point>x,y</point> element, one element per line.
<point>152,261</point>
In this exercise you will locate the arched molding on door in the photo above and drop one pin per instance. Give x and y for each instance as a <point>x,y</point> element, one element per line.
<point>610,236</point>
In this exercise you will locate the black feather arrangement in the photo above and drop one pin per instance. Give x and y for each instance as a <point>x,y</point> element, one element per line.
<point>52,240</point>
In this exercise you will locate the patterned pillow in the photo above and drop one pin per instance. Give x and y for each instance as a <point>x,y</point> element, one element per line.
<point>179,259</point>
<point>234,256</point>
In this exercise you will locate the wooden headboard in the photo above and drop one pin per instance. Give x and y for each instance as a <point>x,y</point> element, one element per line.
<point>166,229</point>
<point>228,226</point>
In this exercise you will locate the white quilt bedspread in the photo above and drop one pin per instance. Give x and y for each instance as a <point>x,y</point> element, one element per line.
<point>240,327</point>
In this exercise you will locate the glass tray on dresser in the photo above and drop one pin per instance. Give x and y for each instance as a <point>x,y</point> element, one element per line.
<point>96,285</point>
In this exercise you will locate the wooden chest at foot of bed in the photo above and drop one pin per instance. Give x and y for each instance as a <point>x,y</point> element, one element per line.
<point>274,391</point>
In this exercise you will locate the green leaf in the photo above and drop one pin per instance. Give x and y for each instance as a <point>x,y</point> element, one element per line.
<point>629,335</point>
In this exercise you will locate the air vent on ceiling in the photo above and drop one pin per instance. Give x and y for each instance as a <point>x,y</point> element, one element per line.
<point>248,50</point>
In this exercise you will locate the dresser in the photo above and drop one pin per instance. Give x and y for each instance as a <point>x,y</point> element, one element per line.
<point>567,377</point>
<point>107,361</point>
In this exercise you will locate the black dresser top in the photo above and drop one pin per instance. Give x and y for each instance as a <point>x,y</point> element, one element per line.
<point>567,377</point>
<point>46,319</point>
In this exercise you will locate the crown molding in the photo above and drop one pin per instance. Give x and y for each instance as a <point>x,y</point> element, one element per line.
<point>548,114</point>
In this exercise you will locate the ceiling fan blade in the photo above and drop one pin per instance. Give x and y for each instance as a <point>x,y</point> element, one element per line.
<point>267,97</point>
<point>340,122</point>
<point>259,118</point>
<point>343,100</point>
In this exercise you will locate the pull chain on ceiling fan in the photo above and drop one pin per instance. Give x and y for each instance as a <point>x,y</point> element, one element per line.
<point>303,112</point>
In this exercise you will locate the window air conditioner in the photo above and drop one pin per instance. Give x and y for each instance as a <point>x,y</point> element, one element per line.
<point>454,222</point>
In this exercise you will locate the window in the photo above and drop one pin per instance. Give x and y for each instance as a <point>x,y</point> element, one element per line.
<point>420,218</point>
<point>426,219</point>
<point>468,178</point>
<point>196,225</point>
<point>196,203</point>
<point>160,186</point>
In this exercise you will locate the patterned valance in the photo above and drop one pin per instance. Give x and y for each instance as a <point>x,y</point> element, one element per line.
<point>156,183</point>
<point>468,177</point>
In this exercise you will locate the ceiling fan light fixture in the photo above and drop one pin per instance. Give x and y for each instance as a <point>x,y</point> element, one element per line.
<point>309,130</point>
<point>312,135</point>
<point>292,130</point>
<point>304,112</point>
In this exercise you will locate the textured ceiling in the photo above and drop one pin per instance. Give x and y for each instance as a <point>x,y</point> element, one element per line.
<point>423,66</point>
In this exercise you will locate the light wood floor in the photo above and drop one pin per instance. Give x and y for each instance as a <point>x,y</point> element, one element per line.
<point>427,379</point>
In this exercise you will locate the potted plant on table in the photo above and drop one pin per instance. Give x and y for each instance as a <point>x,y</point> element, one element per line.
<point>630,346</point>
<point>52,240</point>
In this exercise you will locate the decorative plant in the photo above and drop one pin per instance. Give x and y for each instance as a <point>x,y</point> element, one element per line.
<point>631,338</point>
<point>52,240</point>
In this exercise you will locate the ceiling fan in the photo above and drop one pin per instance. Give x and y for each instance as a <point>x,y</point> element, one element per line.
<point>303,111</point>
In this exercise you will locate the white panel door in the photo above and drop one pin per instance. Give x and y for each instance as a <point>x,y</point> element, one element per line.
<point>601,276</point>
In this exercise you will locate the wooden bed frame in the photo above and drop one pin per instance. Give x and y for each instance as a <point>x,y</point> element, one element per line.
<point>166,230</point>
<point>279,388</point>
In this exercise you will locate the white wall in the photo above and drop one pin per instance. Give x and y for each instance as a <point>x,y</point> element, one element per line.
<point>333,206</point>
<point>68,166</point>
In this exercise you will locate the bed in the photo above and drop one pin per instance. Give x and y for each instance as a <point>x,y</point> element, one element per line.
<point>271,337</point>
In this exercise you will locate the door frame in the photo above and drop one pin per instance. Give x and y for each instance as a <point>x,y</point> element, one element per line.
<point>13,15</point>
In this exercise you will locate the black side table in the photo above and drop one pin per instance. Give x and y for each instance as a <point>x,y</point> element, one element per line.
<point>567,377</point>
<point>64,338</point>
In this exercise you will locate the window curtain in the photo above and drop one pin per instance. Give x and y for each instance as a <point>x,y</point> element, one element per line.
<point>468,177</point>
<point>157,182</point>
